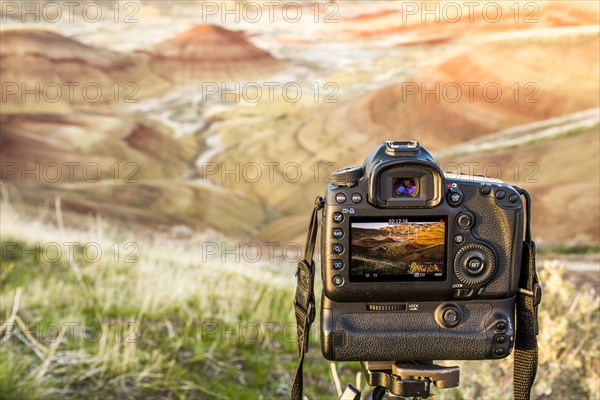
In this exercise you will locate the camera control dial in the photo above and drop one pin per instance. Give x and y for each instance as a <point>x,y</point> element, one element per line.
<point>474,264</point>
<point>348,176</point>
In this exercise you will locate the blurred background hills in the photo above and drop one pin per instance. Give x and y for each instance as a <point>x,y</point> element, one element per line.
<point>165,110</point>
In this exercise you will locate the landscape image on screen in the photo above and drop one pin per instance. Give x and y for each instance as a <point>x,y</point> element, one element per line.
<point>397,249</point>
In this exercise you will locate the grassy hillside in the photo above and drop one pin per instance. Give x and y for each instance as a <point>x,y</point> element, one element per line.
<point>161,320</point>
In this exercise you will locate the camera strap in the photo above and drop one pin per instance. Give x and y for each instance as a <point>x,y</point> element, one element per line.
<point>304,301</point>
<point>528,299</point>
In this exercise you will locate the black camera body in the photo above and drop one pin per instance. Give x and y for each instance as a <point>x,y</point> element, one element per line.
<point>418,265</point>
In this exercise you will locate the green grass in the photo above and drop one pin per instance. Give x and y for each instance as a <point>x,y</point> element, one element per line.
<point>213,338</point>
<point>576,250</point>
<point>171,326</point>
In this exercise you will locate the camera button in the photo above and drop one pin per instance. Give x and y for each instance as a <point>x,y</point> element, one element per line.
<point>455,197</point>
<point>338,280</point>
<point>459,239</point>
<point>338,233</point>
<point>475,265</point>
<point>356,197</point>
<point>337,248</point>
<point>485,190</point>
<point>338,217</point>
<point>450,317</point>
<point>501,339</point>
<point>513,198</point>
<point>340,197</point>
<point>464,221</point>
<point>500,194</point>
<point>499,352</point>
<point>501,326</point>
<point>338,264</point>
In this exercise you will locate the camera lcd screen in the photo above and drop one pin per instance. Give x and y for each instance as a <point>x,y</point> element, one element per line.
<point>398,249</point>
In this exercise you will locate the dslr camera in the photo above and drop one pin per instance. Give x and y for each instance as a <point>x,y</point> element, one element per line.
<point>418,265</point>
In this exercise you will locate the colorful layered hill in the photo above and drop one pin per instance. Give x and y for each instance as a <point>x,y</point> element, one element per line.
<point>522,65</point>
<point>44,72</point>
<point>78,147</point>
<point>509,81</point>
<point>436,22</point>
<point>125,167</point>
<point>93,138</point>
<point>211,53</point>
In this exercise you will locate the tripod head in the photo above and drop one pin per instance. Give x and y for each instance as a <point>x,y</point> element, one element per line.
<point>403,380</point>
